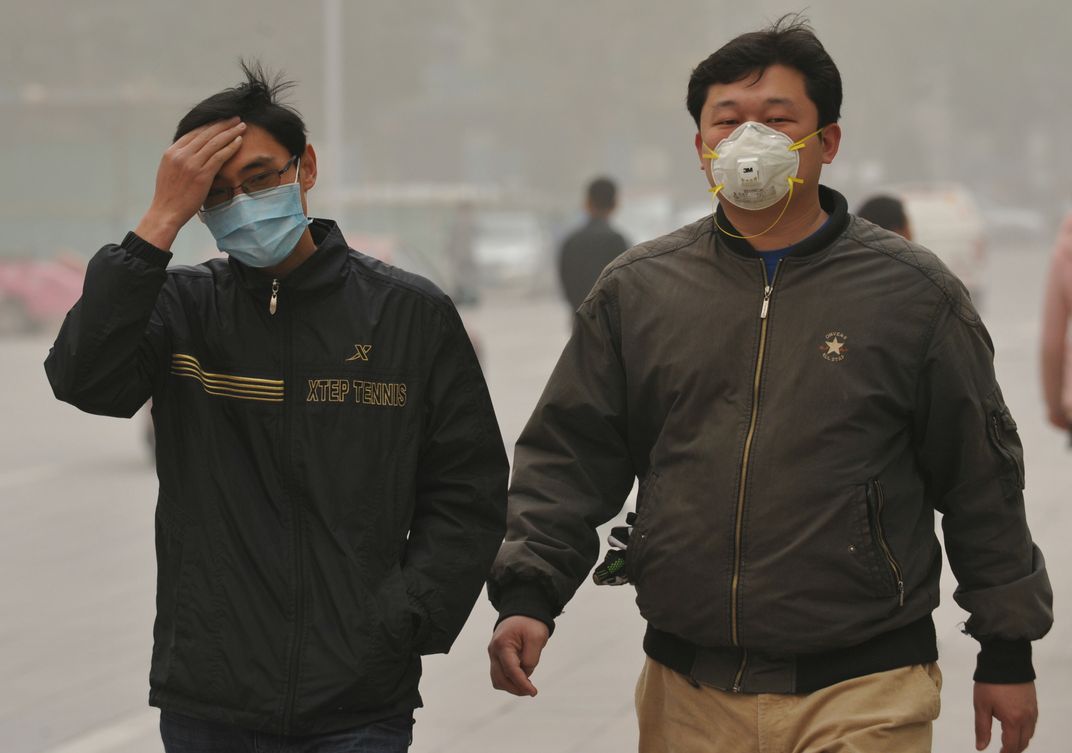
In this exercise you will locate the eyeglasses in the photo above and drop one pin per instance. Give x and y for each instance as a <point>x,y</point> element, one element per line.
<point>259,182</point>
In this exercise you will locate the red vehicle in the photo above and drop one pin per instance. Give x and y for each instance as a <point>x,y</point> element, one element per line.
<point>35,295</point>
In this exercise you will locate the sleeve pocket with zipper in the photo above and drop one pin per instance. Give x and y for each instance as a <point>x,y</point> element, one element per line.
<point>1002,431</point>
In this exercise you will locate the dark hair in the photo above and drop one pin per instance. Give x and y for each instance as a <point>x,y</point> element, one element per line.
<point>885,211</point>
<point>256,101</point>
<point>789,41</point>
<point>602,194</point>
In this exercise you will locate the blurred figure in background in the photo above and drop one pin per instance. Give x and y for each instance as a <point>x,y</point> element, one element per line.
<point>593,246</point>
<point>886,212</point>
<point>1056,353</point>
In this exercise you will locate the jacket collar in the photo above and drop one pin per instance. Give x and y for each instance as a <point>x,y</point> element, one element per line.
<point>833,204</point>
<point>325,267</point>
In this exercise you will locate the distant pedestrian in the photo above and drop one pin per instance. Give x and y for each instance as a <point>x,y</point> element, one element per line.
<point>888,213</point>
<point>593,246</point>
<point>1056,350</point>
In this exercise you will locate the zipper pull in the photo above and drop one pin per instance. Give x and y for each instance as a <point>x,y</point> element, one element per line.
<point>274,302</point>
<point>766,301</point>
<point>900,592</point>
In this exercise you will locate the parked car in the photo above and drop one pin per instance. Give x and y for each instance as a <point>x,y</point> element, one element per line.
<point>35,295</point>
<point>511,248</point>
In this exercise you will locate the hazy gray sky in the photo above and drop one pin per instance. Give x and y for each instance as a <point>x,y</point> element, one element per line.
<point>533,96</point>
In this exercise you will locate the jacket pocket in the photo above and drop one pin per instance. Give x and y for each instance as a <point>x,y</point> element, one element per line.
<point>647,501</point>
<point>893,580</point>
<point>397,618</point>
<point>1002,430</point>
<point>170,560</point>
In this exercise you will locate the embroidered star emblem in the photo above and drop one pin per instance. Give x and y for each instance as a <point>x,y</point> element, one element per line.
<point>834,346</point>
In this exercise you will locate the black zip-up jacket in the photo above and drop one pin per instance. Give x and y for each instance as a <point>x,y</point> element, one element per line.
<point>332,477</point>
<point>793,438</point>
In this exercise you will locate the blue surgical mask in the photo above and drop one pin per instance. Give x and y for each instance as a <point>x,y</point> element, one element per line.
<point>260,229</point>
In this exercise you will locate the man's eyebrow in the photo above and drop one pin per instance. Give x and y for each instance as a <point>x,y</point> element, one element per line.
<point>259,162</point>
<point>728,103</point>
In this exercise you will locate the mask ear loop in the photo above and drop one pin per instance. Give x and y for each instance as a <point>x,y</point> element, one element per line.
<point>714,196</point>
<point>800,144</point>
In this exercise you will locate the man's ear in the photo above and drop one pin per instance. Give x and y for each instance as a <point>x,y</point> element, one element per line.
<point>307,177</point>
<point>830,138</point>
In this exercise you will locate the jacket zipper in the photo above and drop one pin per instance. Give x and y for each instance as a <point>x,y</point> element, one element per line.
<point>297,525</point>
<point>273,302</point>
<point>880,534</point>
<point>768,289</point>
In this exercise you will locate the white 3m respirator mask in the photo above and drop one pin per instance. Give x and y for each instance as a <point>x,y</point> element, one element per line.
<point>755,167</point>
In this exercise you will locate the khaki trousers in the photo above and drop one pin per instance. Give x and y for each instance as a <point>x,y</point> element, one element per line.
<point>886,712</point>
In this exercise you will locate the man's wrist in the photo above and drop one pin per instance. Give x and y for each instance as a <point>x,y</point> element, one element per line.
<point>158,229</point>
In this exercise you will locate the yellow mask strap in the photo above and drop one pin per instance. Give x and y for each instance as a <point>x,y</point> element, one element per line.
<point>714,194</point>
<point>709,153</point>
<point>800,144</point>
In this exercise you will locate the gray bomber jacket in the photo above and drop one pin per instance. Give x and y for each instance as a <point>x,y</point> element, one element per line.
<point>792,442</point>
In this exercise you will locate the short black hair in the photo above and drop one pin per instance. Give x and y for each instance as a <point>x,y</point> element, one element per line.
<point>885,211</point>
<point>789,41</point>
<point>602,194</point>
<point>256,102</point>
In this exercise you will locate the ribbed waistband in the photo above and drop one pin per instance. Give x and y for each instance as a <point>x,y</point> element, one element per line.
<point>753,671</point>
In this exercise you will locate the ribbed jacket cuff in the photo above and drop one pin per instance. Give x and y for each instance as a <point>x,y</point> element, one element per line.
<point>1004,662</point>
<point>527,600</point>
<point>145,250</point>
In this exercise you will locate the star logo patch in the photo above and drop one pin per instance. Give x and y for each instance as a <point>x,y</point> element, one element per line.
<point>834,347</point>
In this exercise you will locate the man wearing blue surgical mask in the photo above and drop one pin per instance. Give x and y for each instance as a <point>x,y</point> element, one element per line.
<point>332,477</point>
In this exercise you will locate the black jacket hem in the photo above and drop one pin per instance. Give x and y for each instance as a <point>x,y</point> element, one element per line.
<point>915,643</point>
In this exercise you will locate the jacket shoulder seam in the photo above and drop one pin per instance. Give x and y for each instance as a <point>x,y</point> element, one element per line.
<point>936,277</point>
<point>189,270</point>
<point>440,303</point>
<point>651,253</point>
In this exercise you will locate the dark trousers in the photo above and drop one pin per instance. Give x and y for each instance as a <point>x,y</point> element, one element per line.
<point>184,734</point>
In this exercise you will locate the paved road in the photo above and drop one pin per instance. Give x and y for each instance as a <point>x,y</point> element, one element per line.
<point>77,572</point>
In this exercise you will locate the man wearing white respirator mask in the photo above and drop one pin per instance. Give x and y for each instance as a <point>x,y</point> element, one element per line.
<point>797,392</point>
<point>332,478</point>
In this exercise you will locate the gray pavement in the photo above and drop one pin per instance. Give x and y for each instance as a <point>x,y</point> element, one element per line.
<point>77,569</point>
